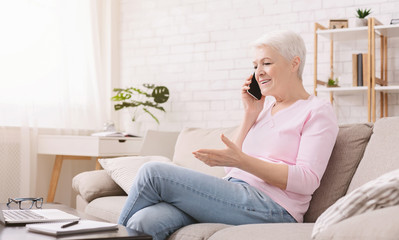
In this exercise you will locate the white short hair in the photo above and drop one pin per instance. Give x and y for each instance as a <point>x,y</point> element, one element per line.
<point>288,43</point>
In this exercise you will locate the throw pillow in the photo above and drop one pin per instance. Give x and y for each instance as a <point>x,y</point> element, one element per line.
<point>192,139</point>
<point>381,154</point>
<point>123,170</point>
<point>95,184</point>
<point>351,142</point>
<point>379,224</point>
<point>379,193</point>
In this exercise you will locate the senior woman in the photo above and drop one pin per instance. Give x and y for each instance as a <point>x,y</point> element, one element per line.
<point>273,166</point>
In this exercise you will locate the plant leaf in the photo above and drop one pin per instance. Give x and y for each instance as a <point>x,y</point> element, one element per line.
<point>152,115</point>
<point>121,97</point>
<point>118,107</point>
<point>129,98</point>
<point>139,91</point>
<point>362,13</point>
<point>149,86</point>
<point>160,94</point>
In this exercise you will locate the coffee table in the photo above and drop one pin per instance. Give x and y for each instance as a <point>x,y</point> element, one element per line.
<point>20,232</point>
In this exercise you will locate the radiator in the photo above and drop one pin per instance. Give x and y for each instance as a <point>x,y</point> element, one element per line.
<point>11,166</point>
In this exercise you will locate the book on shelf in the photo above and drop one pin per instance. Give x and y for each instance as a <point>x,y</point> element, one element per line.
<point>360,69</point>
<point>83,226</point>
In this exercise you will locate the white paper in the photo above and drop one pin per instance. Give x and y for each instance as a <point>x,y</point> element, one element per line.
<point>82,227</point>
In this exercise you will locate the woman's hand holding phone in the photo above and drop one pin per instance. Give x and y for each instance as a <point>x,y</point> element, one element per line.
<point>251,103</point>
<point>254,89</point>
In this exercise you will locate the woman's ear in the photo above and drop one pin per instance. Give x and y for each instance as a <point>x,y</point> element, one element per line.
<point>295,64</point>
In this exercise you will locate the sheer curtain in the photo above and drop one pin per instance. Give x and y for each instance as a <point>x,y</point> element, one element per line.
<point>53,76</point>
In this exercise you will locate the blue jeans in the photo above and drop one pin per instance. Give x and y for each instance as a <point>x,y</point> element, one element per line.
<point>165,197</point>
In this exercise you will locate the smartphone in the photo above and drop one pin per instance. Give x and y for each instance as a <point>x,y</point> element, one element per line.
<point>254,89</point>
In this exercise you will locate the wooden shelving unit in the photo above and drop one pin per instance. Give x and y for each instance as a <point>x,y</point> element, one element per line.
<point>368,33</point>
<point>384,32</point>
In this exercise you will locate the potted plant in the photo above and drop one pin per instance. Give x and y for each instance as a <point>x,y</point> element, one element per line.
<point>361,15</point>
<point>332,82</point>
<point>141,100</point>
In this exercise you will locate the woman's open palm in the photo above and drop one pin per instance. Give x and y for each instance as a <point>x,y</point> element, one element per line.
<point>231,156</point>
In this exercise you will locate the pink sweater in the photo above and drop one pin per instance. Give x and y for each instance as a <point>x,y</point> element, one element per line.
<point>301,136</point>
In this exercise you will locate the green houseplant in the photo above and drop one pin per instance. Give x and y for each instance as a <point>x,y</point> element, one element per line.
<point>141,100</point>
<point>332,82</point>
<point>361,15</point>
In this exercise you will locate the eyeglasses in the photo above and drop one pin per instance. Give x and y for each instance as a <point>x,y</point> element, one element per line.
<point>26,203</point>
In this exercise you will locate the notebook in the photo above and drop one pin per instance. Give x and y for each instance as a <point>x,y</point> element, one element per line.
<point>83,226</point>
<point>9,217</point>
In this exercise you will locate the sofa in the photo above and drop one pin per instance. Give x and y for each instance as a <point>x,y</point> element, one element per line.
<point>363,152</point>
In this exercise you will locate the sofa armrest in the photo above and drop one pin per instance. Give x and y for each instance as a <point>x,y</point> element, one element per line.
<point>378,224</point>
<point>94,184</point>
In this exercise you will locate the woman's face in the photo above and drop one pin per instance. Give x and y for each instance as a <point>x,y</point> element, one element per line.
<point>272,71</point>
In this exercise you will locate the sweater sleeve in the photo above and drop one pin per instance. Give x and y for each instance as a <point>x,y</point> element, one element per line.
<point>318,138</point>
<point>227,169</point>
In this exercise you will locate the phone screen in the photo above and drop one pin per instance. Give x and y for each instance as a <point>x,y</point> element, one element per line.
<point>254,89</point>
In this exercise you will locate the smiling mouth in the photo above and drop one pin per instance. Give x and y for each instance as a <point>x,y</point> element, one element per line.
<point>264,81</point>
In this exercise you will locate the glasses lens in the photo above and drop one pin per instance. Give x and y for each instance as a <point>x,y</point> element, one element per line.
<point>39,202</point>
<point>26,204</point>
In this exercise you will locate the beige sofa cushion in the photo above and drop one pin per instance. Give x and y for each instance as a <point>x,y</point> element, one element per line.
<point>382,153</point>
<point>197,231</point>
<point>379,224</point>
<point>123,170</point>
<point>107,208</point>
<point>379,193</point>
<point>349,148</point>
<point>275,231</point>
<point>94,184</point>
<point>192,139</point>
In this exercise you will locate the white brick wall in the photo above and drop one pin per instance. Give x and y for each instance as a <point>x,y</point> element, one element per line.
<point>199,49</point>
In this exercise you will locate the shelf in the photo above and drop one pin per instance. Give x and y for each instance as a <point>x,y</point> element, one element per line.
<point>369,33</point>
<point>342,90</point>
<point>344,33</point>
<point>388,30</point>
<point>358,32</point>
<point>387,88</point>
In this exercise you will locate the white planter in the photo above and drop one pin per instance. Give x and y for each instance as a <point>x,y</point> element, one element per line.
<point>361,22</point>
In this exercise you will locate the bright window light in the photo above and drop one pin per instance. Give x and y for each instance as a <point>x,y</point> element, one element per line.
<point>46,62</point>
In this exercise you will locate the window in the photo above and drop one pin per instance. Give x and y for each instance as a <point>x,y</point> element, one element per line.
<point>49,76</point>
